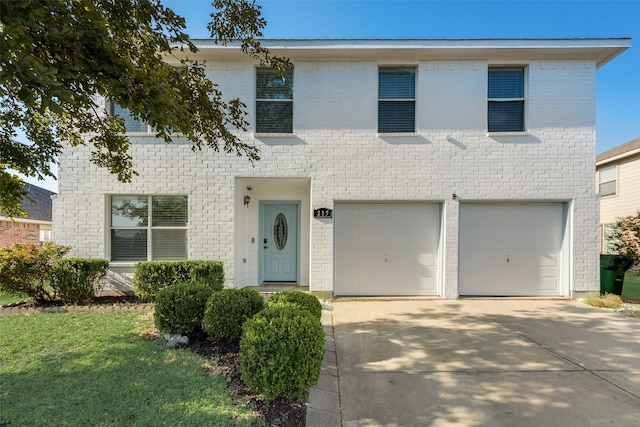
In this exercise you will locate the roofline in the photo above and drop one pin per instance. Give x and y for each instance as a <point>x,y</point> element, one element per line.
<point>602,50</point>
<point>25,220</point>
<point>620,156</point>
<point>628,149</point>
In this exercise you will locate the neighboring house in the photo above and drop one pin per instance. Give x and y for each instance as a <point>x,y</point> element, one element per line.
<point>388,167</point>
<point>618,182</point>
<point>36,226</point>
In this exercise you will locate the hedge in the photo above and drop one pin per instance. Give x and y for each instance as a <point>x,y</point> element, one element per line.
<point>25,269</point>
<point>303,300</point>
<point>77,280</point>
<point>179,308</point>
<point>227,311</point>
<point>281,351</point>
<point>151,276</point>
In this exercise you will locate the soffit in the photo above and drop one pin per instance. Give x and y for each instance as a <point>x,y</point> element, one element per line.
<point>600,50</point>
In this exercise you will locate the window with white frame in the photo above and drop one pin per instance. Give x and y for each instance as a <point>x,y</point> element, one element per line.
<point>131,124</point>
<point>396,100</point>
<point>45,236</point>
<point>506,99</point>
<point>607,179</point>
<point>145,228</point>
<point>274,101</point>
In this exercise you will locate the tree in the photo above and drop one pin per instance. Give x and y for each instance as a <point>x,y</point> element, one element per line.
<point>625,240</point>
<point>56,56</point>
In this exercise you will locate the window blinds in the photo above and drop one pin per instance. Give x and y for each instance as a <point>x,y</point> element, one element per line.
<point>396,100</point>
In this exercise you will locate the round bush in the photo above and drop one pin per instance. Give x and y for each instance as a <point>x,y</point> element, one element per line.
<point>179,308</point>
<point>227,310</point>
<point>281,351</point>
<point>299,299</point>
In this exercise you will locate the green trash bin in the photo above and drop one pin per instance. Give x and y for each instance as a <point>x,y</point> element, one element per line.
<point>611,274</point>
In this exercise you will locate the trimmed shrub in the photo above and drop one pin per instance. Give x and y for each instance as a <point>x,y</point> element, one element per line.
<point>78,279</point>
<point>281,351</point>
<point>151,276</point>
<point>25,269</point>
<point>179,308</point>
<point>302,300</point>
<point>227,310</point>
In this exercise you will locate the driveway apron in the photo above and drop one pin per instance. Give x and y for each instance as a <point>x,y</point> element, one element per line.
<point>486,362</point>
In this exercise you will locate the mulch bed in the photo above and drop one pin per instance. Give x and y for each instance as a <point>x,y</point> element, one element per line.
<point>223,359</point>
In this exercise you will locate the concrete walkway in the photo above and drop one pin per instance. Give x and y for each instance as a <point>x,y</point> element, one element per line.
<point>498,362</point>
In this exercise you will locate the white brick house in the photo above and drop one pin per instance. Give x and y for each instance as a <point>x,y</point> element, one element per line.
<point>450,168</point>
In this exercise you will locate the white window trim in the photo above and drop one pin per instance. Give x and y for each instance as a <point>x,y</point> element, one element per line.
<point>599,182</point>
<point>397,134</point>
<point>109,108</point>
<point>149,227</point>
<point>499,134</point>
<point>293,123</point>
<point>525,90</point>
<point>414,100</point>
<point>274,135</point>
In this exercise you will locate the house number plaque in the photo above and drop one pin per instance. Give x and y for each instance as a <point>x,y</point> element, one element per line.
<point>323,213</point>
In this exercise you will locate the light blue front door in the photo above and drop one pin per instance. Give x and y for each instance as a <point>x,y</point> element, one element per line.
<point>279,241</point>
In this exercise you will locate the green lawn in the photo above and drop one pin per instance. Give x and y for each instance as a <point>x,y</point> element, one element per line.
<point>71,369</point>
<point>631,285</point>
<point>9,299</point>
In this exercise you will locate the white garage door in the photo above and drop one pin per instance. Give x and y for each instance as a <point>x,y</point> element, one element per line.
<point>386,249</point>
<point>510,249</point>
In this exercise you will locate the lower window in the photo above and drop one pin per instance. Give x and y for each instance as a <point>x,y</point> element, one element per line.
<point>145,228</point>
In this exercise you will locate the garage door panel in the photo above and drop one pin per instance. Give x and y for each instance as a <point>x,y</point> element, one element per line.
<point>548,286</point>
<point>349,214</point>
<point>510,249</point>
<point>549,238</point>
<point>548,260</point>
<point>349,238</point>
<point>396,245</point>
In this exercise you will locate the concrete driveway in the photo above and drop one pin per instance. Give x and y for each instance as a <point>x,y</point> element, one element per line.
<point>494,362</point>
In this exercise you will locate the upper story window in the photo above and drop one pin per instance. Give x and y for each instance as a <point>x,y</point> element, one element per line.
<point>274,101</point>
<point>396,100</point>
<point>607,179</point>
<point>506,99</point>
<point>131,124</point>
<point>145,228</point>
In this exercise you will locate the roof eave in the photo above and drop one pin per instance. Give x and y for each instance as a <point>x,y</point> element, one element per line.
<point>600,50</point>
<point>618,157</point>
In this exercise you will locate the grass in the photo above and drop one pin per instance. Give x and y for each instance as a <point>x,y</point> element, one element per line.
<point>68,369</point>
<point>10,299</point>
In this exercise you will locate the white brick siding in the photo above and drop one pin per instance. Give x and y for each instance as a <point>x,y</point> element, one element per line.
<point>338,156</point>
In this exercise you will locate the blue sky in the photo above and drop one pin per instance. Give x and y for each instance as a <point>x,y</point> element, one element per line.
<point>618,82</point>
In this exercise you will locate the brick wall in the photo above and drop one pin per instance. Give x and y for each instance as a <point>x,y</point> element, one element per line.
<point>335,147</point>
<point>18,232</point>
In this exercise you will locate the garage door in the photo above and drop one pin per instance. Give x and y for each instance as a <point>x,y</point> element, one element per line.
<point>510,249</point>
<point>386,249</point>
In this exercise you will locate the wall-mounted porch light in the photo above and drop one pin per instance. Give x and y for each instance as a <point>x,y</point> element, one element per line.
<point>247,199</point>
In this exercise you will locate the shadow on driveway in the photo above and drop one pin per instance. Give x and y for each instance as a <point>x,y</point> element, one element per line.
<point>485,363</point>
